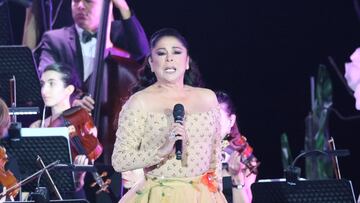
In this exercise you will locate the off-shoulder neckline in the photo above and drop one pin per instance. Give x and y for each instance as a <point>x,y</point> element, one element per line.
<point>169,111</point>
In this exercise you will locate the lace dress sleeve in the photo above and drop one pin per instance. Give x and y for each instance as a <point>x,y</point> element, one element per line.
<point>128,154</point>
<point>215,163</point>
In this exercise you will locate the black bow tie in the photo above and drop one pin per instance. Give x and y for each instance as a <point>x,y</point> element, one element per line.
<point>86,36</point>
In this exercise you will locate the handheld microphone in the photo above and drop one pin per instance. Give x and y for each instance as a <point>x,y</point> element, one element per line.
<point>178,114</point>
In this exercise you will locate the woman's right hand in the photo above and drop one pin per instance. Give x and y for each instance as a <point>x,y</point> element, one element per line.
<point>177,132</point>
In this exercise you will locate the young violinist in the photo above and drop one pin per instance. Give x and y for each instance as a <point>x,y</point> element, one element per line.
<point>59,83</point>
<point>237,174</point>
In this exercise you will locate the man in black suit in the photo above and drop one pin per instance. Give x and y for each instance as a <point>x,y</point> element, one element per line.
<point>76,46</point>
<point>68,45</point>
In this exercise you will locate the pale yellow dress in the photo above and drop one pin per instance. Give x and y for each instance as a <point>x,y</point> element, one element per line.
<point>138,137</point>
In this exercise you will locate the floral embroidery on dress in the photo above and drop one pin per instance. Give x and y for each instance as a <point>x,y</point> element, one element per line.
<point>162,183</point>
<point>210,180</point>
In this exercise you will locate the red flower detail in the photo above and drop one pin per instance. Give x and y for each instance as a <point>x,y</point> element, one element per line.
<point>209,179</point>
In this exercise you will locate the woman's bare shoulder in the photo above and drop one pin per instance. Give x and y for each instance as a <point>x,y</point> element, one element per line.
<point>139,99</point>
<point>205,96</point>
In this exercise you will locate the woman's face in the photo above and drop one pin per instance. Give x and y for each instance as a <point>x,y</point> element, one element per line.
<point>53,90</point>
<point>227,120</point>
<point>169,60</point>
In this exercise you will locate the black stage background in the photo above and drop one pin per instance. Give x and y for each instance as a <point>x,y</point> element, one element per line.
<point>263,53</point>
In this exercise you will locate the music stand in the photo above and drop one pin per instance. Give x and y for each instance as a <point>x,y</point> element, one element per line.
<point>50,144</point>
<point>316,191</point>
<point>18,61</point>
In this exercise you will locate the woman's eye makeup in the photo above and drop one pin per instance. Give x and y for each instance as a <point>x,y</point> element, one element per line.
<point>160,53</point>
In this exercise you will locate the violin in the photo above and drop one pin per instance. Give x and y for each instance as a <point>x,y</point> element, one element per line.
<point>241,145</point>
<point>81,127</point>
<point>83,142</point>
<point>7,178</point>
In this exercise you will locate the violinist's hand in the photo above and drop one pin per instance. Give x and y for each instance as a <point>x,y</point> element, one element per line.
<point>235,164</point>
<point>236,169</point>
<point>177,132</point>
<point>81,160</point>
<point>86,102</point>
<point>80,176</point>
<point>240,174</point>
<point>123,7</point>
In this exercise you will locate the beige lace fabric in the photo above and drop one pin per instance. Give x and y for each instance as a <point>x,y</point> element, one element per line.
<point>140,134</point>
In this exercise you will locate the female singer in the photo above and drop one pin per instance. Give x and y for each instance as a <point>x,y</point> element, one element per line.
<point>147,132</point>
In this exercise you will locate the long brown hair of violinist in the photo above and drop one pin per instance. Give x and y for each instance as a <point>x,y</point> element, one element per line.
<point>4,118</point>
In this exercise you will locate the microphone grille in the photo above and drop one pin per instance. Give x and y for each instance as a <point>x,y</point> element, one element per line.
<point>178,111</point>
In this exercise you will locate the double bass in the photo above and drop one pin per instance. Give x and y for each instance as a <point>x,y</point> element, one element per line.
<point>77,119</point>
<point>113,74</point>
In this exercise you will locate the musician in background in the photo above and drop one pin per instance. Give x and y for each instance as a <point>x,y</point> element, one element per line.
<point>76,46</point>
<point>38,15</point>
<point>4,125</point>
<point>352,75</point>
<point>58,83</point>
<point>236,174</point>
<point>11,163</point>
<point>4,119</point>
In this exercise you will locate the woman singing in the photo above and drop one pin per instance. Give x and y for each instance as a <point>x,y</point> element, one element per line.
<point>147,132</point>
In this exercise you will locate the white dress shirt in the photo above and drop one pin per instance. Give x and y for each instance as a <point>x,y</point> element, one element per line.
<point>88,51</point>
